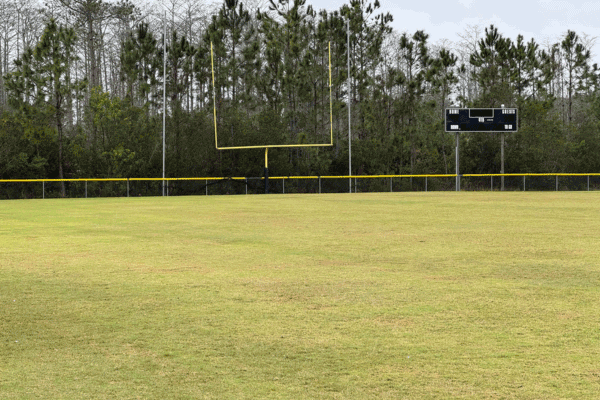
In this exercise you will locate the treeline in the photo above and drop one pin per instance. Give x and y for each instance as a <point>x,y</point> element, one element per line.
<point>82,92</point>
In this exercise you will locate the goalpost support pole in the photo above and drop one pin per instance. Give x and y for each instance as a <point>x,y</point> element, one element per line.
<point>266,170</point>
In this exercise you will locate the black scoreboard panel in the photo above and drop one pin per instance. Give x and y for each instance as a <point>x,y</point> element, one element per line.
<point>481,119</point>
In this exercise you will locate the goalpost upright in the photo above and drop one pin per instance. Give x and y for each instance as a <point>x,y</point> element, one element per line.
<point>267,147</point>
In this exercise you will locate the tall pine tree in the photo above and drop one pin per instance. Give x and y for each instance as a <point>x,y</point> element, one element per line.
<point>41,83</point>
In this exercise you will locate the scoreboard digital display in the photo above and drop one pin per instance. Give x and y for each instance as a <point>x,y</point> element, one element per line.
<point>481,120</point>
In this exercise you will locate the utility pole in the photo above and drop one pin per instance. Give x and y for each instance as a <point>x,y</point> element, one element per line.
<point>164,97</point>
<point>349,113</point>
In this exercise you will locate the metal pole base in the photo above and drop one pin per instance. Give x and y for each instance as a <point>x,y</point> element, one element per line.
<point>266,180</point>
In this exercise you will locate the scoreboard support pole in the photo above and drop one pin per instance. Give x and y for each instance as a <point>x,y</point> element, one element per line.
<point>502,160</point>
<point>457,164</point>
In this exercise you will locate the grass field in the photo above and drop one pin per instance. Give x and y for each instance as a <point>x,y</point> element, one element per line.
<point>348,296</point>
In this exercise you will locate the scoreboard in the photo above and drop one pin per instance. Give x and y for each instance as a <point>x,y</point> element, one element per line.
<point>481,120</point>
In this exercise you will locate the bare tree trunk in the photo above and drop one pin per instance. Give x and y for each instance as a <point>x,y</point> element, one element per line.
<point>2,88</point>
<point>59,128</point>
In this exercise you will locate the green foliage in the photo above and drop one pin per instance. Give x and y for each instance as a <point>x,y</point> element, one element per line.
<point>124,139</point>
<point>272,86</point>
<point>493,59</point>
<point>140,63</point>
<point>41,88</point>
<point>120,161</point>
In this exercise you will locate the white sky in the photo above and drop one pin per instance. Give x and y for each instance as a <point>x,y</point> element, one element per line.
<point>544,20</point>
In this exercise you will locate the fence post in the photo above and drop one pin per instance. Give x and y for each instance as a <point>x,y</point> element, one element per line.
<point>557,183</point>
<point>127,187</point>
<point>319,184</point>
<point>523,182</point>
<point>391,189</point>
<point>43,189</point>
<point>588,183</point>
<point>283,184</point>
<point>426,184</point>
<point>86,189</point>
<point>206,186</point>
<point>492,183</point>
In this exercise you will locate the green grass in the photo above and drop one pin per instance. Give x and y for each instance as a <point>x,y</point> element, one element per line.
<point>412,295</point>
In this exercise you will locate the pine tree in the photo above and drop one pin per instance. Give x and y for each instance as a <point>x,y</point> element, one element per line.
<point>519,56</point>
<point>492,60</point>
<point>367,33</point>
<point>41,82</point>
<point>576,58</point>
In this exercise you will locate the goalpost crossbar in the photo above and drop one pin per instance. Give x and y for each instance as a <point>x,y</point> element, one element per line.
<point>266,147</point>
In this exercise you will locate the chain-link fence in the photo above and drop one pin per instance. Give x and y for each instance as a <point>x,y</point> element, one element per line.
<point>531,182</point>
<point>135,187</point>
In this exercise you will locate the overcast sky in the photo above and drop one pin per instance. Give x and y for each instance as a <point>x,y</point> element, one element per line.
<point>444,19</point>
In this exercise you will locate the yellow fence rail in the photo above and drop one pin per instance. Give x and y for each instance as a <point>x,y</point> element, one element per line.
<point>294,177</point>
<point>229,177</point>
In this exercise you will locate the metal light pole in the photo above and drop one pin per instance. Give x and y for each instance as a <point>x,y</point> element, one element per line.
<point>164,97</point>
<point>349,113</point>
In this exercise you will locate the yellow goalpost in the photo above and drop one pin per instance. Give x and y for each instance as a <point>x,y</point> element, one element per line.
<point>267,147</point>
